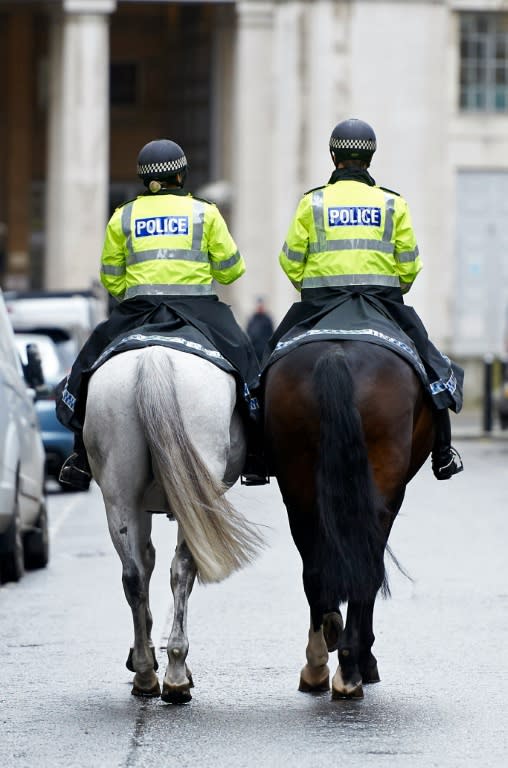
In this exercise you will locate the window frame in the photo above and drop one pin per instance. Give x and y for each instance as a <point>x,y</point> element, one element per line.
<point>483,62</point>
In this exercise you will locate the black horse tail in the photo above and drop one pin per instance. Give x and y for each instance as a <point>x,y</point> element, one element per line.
<point>348,562</point>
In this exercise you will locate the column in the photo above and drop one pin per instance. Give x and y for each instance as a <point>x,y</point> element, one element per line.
<point>252,150</point>
<point>326,94</point>
<point>288,143</point>
<point>78,159</point>
<point>18,150</point>
<point>222,78</point>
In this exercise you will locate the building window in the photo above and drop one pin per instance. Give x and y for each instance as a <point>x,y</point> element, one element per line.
<point>123,83</point>
<point>484,62</point>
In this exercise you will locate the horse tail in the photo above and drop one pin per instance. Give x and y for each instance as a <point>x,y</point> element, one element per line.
<point>219,538</point>
<point>349,553</point>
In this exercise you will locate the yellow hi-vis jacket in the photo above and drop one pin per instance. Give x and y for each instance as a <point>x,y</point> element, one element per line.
<point>168,243</point>
<point>349,233</point>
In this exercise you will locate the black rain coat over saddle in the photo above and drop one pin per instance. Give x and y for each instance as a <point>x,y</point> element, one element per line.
<point>203,326</point>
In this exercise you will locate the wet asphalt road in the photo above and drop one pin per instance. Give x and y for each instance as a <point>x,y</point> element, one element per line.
<point>441,644</point>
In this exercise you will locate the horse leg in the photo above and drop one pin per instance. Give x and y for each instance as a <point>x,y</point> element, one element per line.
<point>357,663</point>
<point>347,681</point>
<point>137,554</point>
<point>149,566</point>
<point>315,675</point>
<point>119,459</point>
<point>178,678</point>
<point>367,662</point>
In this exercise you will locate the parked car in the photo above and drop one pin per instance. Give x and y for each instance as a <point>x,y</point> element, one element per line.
<point>57,440</point>
<point>67,318</point>
<point>23,515</point>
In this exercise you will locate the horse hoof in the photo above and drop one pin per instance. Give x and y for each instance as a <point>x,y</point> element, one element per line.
<point>314,681</point>
<point>304,687</point>
<point>151,693</point>
<point>175,695</point>
<point>370,675</point>
<point>353,693</point>
<point>333,627</point>
<point>346,689</point>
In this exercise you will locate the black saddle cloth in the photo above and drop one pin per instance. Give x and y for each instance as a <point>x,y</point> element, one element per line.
<point>182,336</point>
<point>202,326</point>
<point>376,317</point>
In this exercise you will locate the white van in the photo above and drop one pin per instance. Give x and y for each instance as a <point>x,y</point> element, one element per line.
<point>68,317</point>
<point>23,516</point>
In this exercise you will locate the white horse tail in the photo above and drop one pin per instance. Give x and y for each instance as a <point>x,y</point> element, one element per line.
<point>219,538</point>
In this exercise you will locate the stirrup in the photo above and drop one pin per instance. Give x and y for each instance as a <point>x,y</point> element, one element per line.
<point>74,476</point>
<point>254,471</point>
<point>446,464</point>
<point>254,479</point>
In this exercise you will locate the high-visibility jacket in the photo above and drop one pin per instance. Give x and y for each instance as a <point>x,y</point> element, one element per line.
<point>349,233</point>
<point>168,243</point>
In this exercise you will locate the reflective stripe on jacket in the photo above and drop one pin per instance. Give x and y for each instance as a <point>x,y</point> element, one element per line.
<point>168,244</point>
<point>349,233</point>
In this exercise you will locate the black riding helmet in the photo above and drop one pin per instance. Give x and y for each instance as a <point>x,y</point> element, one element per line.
<point>162,160</point>
<point>353,140</point>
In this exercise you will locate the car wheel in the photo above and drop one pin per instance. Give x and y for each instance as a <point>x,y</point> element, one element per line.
<point>12,560</point>
<point>36,542</point>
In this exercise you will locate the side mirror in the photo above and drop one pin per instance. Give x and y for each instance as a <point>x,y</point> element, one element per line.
<point>34,376</point>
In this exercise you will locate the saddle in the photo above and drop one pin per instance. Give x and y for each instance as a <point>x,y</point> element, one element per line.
<point>360,316</point>
<point>357,318</point>
<point>186,338</point>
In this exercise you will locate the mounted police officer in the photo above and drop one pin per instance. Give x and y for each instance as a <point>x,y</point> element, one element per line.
<point>161,253</point>
<point>356,238</point>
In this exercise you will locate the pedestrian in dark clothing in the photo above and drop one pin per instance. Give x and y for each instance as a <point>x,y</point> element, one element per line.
<point>260,328</point>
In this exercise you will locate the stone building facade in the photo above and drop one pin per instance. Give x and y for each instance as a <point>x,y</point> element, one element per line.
<point>252,89</point>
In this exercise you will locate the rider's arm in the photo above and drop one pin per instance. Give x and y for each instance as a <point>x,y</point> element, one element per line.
<point>406,250</point>
<point>295,250</point>
<point>113,257</point>
<point>226,263</point>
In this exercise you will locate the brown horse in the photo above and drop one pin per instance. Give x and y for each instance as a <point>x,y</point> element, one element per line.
<point>348,424</point>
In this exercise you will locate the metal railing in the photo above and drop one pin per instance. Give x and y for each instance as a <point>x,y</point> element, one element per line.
<point>495,378</point>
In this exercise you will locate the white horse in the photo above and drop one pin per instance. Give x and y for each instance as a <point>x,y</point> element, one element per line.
<point>163,434</point>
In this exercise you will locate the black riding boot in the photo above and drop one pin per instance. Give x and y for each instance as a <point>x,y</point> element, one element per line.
<point>446,461</point>
<point>76,469</point>
<point>254,470</point>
